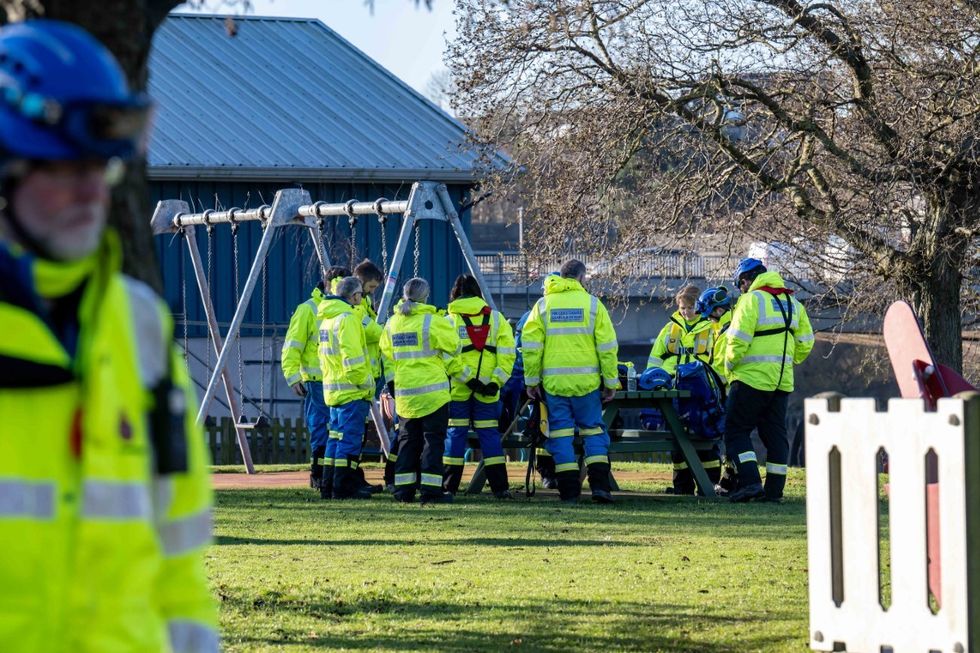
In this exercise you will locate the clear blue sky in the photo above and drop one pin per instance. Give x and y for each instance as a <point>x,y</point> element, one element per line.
<point>406,40</point>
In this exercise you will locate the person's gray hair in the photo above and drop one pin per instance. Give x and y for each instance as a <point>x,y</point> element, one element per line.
<point>415,291</point>
<point>348,286</point>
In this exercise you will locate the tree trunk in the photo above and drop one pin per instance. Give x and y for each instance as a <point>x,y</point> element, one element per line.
<point>126,27</point>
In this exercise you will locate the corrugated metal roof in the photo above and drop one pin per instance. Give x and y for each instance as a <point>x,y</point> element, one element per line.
<point>290,99</point>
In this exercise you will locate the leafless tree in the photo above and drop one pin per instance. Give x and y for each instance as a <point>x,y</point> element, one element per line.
<point>851,126</point>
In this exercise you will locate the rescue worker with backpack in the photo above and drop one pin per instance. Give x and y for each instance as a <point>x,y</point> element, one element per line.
<point>370,276</point>
<point>716,305</point>
<point>488,349</point>
<point>570,352</point>
<point>686,338</point>
<point>348,388</point>
<point>301,366</point>
<point>769,334</point>
<point>105,492</point>
<point>420,352</point>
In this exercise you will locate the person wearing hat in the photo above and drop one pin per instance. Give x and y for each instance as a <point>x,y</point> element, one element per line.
<point>105,495</point>
<point>770,333</point>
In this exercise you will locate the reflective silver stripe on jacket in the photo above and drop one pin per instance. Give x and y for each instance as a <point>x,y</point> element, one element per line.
<point>114,500</point>
<point>350,362</point>
<point>295,378</point>
<point>506,350</point>
<point>26,499</point>
<point>311,371</point>
<point>741,335</point>
<point>607,346</point>
<point>402,355</point>
<point>336,387</point>
<point>426,326</point>
<point>185,534</point>
<point>807,338</point>
<point>766,359</point>
<point>421,390</point>
<point>192,637</point>
<point>532,345</point>
<point>569,331</point>
<point>294,344</point>
<point>551,371</point>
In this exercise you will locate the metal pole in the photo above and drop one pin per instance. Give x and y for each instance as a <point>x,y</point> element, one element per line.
<point>284,209</point>
<point>464,243</point>
<point>202,286</point>
<point>379,423</point>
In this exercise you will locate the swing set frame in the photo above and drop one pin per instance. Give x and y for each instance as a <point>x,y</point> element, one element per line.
<point>293,207</point>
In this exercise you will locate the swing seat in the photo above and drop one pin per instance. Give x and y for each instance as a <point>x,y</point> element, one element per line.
<point>261,422</point>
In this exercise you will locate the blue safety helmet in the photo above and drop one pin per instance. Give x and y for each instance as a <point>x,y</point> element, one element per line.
<point>63,97</point>
<point>711,299</point>
<point>655,378</point>
<point>747,266</point>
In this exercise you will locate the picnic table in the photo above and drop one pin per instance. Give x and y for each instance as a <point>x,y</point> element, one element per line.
<point>675,436</point>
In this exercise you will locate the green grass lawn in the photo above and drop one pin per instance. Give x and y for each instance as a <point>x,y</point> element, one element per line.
<point>651,573</point>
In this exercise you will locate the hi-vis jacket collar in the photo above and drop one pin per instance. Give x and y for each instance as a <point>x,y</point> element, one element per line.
<point>554,285</point>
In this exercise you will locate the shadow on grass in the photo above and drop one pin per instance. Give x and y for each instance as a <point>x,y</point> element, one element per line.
<point>553,625</point>
<point>294,511</point>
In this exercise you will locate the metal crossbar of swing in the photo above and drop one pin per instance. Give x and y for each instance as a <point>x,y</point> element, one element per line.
<point>293,207</point>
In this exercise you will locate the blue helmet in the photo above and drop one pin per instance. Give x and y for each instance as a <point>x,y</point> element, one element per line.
<point>711,299</point>
<point>63,97</point>
<point>655,378</point>
<point>746,266</point>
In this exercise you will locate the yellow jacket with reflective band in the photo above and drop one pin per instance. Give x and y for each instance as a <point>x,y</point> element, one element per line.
<point>420,352</point>
<point>495,366</point>
<point>682,341</point>
<point>762,348</point>
<point>300,358</point>
<point>372,334</point>
<point>343,354</point>
<point>568,342</point>
<point>717,361</point>
<point>98,551</point>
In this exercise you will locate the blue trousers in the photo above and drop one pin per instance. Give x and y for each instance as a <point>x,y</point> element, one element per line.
<point>317,415</point>
<point>347,431</point>
<point>565,416</point>
<point>484,418</point>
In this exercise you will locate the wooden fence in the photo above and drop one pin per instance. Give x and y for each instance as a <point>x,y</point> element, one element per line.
<point>284,441</point>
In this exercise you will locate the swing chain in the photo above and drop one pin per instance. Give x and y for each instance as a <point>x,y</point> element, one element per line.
<point>210,274</point>
<point>238,337</point>
<point>415,268</point>
<point>352,223</point>
<point>383,221</point>
<point>183,290</point>
<point>265,296</point>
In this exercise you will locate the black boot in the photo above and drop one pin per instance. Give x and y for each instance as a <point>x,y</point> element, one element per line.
<point>451,478</point>
<point>569,486</point>
<point>497,477</point>
<point>326,481</point>
<point>345,483</point>
<point>316,467</point>
<point>545,467</point>
<point>599,483</point>
<point>363,482</point>
<point>774,487</point>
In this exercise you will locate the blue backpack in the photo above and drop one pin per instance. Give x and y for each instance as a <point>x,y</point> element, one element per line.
<point>654,378</point>
<point>703,413</point>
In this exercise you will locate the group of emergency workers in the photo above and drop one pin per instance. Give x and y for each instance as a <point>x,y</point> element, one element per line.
<point>446,371</point>
<point>749,348</point>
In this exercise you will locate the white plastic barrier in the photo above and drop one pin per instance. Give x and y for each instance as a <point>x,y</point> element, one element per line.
<point>843,440</point>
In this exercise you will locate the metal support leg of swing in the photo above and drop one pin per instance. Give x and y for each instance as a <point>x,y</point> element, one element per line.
<point>234,408</point>
<point>284,208</point>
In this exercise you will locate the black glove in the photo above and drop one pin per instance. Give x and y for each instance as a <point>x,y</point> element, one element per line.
<point>390,387</point>
<point>490,389</point>
<point>476,385</point>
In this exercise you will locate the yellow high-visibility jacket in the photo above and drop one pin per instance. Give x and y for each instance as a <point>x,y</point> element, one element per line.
<point>497,362</point>
<point>343,354</point>
<point>681,341</point>
<point>568,342</point>
<point>372,334</point>
<point>769,334</point>
<point>300,358</point>
<point>105,494</point>
<point>717,361</point>
<point>420,352</point>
